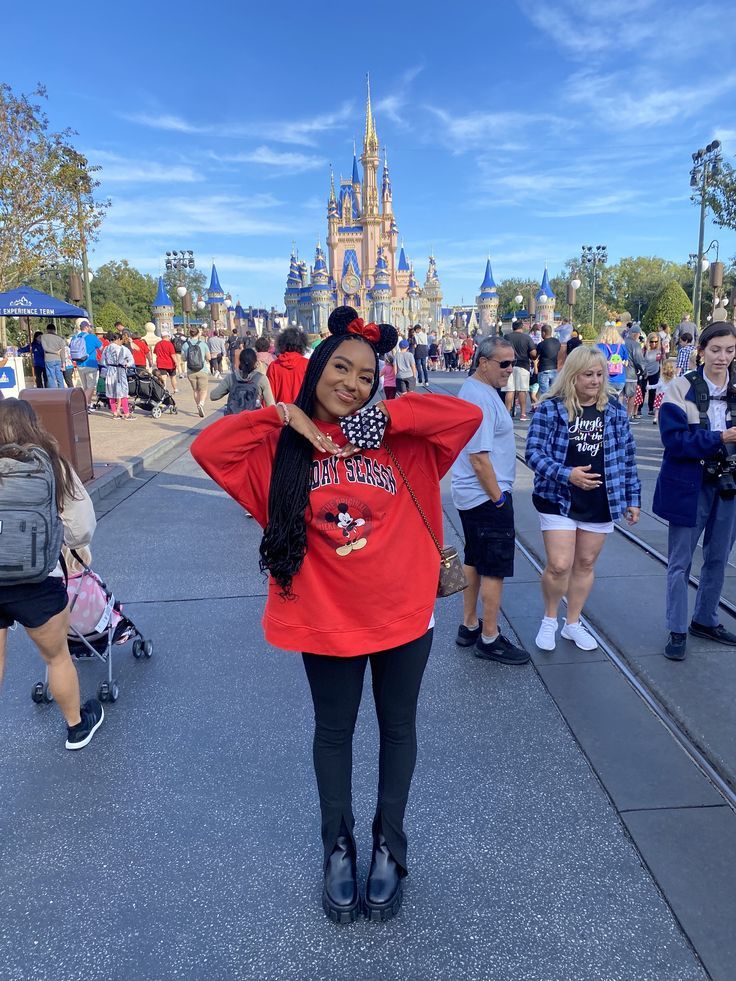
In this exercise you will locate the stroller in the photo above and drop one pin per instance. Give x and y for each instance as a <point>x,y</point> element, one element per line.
<point>147,392</point>
<point>96,624</point>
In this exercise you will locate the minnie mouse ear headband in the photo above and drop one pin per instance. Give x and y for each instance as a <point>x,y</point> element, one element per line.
<point>344,322</point>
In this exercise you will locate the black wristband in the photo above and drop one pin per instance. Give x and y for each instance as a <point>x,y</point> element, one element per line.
<point>365,429</point>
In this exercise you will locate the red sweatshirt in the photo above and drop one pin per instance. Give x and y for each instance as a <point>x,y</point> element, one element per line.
<point>369,577</point>
<point>286,375</point>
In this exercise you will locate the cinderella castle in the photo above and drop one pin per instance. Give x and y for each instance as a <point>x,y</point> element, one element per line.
<point>361,267</point>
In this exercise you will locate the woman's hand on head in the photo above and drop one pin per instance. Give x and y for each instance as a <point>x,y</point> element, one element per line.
<point>300,422</point>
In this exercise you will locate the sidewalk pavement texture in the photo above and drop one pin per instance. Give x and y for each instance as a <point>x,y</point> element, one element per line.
<point>121,450</point>
<point>184,842</point>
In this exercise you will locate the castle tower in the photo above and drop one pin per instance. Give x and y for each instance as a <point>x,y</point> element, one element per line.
<point>381,292</point>
<point>413,293</point>
<point>401,278</point>
<point>357,188</point>
<point>291,296</point>
<point>390,232</point>
<point>333,221</point>
<point>545,302</point>
<point>162,309</point>
<point>433,295</point>
<point>370,213</point>
<point>321,292</point>
<point>215,299</point>
<point>487,301</point>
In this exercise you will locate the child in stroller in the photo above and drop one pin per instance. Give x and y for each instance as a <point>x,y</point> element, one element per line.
<point>96,623</point>
<point>148,392</point>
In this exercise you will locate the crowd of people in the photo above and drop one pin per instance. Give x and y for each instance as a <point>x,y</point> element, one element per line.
<point>339,462</point>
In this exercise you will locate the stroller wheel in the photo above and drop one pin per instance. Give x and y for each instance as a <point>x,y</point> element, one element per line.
<point>174,410</point>
<point>103,692</point>
<point>114,692</point>
<point>156,412</point>
<point>137,648</point>
<point>148,648</point>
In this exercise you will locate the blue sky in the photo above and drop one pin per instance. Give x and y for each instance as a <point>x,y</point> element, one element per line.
<point>523,129</point>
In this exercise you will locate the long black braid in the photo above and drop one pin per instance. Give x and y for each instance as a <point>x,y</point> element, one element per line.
<point>284,542</point>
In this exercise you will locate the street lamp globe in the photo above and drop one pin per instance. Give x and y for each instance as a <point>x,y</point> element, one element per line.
<point>724,301</point>
<point>576,284</point>
<point>201,304</point>
<point>704,264</point>
<point>228,302</point>
<point>518,298</point>
<point>181,291</point>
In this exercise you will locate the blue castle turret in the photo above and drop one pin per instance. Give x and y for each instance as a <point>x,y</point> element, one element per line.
<point>545,298</point>
<point>162,309</point>
<point>215,293</point>
<point>487,301</point>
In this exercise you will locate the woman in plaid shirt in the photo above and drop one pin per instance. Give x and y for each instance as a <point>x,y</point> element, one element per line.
<point>583,455</point>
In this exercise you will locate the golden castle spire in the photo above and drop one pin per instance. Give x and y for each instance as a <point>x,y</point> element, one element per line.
<point>370,143</point>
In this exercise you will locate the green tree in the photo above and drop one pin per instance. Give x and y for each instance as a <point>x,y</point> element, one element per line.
<point>669,306</point>
<point>194,280</point>
<point>132,291</point>
<point>46,187</point>
<point>721,196</point>
<point>108,315</point>
<point>510,288</point>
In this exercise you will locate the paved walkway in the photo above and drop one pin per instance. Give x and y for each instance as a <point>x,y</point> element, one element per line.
<point>185,841</point>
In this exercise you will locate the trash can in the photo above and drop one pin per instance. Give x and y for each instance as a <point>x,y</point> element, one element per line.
<point>63,411</point>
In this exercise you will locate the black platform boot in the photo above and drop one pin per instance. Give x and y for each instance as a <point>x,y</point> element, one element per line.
<point>383,893</point>
<point>340,897</point>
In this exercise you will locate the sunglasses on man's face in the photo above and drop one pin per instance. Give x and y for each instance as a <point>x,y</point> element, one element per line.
<point>503,364</point>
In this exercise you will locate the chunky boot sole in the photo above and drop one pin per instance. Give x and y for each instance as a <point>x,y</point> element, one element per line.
<point>386,911</point>
<point>340,914</point>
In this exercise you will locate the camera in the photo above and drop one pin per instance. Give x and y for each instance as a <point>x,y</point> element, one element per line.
<point>722,471</point>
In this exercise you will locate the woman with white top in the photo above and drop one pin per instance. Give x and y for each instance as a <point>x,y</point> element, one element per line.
<point>421,351</point>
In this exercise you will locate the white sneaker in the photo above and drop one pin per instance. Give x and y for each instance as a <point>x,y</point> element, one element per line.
<point>546,637</point>
<point>577,633</point>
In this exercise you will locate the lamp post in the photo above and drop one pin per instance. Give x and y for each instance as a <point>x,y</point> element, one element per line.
<point>180,261</point>
<point>706,163</point>
<point>518,300</point>
<point>572,288</point>
<point>592,257</point>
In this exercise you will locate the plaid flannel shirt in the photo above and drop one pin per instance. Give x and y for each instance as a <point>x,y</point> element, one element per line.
<point>683,359</point>
<point>546,452</point>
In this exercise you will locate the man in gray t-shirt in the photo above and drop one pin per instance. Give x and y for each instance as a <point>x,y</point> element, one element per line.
<point>53,352</point>
<point>482,481</point>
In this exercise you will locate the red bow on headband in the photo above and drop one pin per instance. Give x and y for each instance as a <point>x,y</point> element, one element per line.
<point>369,332</point>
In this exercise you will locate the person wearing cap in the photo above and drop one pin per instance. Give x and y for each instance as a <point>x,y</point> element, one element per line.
<point>89,367</point>
<point>405,368</point>
<point>165,355</point>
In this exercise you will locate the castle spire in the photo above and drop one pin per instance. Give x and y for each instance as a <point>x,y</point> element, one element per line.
<point>356,175</point>
<point>370,142</point>
<point>386,189</point>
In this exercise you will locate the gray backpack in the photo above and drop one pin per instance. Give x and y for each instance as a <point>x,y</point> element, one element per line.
<point>31,531</point>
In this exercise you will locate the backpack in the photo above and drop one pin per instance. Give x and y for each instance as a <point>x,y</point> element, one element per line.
<point>31,532</point>
<point>195,358</point>
<point>703,397</point>
<point>178,341</point>
<point>78,348</point>
<point>615,361</point>
<point>244,396</point>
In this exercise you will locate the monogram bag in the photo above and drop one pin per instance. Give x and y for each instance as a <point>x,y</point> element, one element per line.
<point>452,577</point>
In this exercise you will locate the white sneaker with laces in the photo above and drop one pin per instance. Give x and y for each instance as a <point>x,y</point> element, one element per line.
<point>546,638</point>
<point>577,633</point>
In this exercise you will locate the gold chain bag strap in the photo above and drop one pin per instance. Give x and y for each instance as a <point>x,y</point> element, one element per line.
<point>452,578</point>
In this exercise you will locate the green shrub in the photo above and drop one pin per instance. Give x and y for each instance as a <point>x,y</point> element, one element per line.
<point>669,306</point>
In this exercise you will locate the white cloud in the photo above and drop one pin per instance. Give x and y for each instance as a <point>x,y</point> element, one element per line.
<point>224,215</point>
<point>119,170</point>
<point>280,162</point>
<point>500,131</point>
<point>636,99</point>
<point>300,131</point>
<point>390,106</point>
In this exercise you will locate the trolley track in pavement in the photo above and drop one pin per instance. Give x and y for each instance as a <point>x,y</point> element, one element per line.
<point>643,690</point>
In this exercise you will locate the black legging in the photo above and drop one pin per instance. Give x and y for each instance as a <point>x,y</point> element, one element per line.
<point>652,382</point>
<point>336,684</point>
<point>39,373</point>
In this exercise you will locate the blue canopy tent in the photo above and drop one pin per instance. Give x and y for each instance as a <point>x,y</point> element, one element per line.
<point>24,301</point>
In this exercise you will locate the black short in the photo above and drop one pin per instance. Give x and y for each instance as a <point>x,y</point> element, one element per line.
<point>32,604</point>
<point>489,538</point>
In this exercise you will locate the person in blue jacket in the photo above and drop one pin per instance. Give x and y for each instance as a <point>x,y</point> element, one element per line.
<point>694,492</point>
<point>39,359</point>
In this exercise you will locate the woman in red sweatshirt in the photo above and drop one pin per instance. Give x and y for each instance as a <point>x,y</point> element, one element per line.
<point>286,373</point>
<point>319,478</point>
